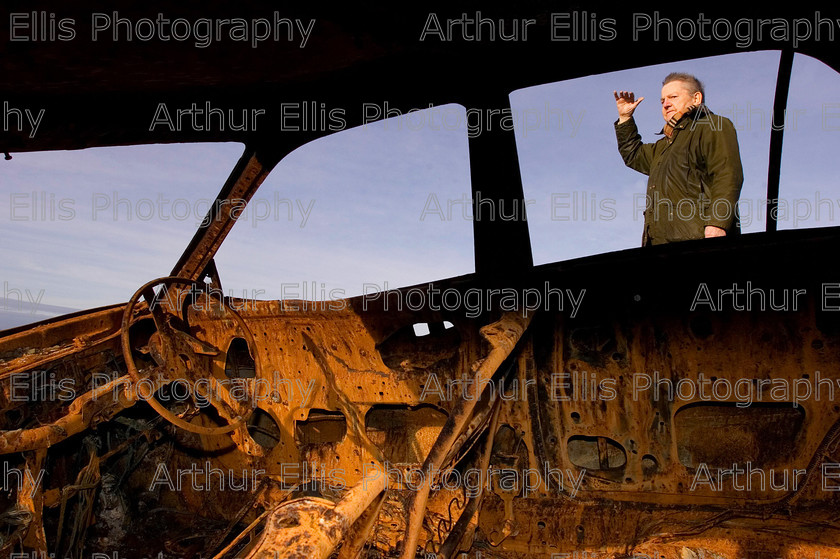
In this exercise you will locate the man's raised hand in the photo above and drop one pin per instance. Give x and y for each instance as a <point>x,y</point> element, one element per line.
<point>626,103</point>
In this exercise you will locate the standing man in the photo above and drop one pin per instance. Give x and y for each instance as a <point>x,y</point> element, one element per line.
<point>694,171</point>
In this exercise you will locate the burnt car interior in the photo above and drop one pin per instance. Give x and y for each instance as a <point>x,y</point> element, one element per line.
<point>185,424</point>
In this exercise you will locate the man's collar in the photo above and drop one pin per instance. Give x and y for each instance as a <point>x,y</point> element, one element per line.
<point>680,120</point>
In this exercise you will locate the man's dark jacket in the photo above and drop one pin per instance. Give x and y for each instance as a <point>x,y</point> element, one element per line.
<point>695,176</point>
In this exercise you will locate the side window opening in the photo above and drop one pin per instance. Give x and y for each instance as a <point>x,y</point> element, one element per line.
<point>363,210</point>
<point>809,192</point>
<point>85,228</point>
<point>582,199</point>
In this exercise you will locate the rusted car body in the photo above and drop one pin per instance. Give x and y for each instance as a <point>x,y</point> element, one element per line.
<point>191,424</point>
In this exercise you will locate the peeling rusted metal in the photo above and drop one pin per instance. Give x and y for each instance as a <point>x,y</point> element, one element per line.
<point>313,527</point>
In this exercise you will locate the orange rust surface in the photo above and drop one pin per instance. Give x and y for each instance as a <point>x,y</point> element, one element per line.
<point>322,373</point>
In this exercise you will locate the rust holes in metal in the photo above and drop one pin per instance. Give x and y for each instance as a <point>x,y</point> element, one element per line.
<point>406,350</point>
<point>649,465</point>
<point>596,453</point>
<point>422,329</point>
<point>321,427</point>
<point>239,363</point>
<point>264,430</point>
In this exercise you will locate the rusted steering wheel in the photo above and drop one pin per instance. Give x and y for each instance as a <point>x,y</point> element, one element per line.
<point>182,357</point>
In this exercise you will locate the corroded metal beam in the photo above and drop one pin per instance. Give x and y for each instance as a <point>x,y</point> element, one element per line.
<point>100,404</point>
<point>249,173</point>
<point>312,527</point>
<point>502,336</point>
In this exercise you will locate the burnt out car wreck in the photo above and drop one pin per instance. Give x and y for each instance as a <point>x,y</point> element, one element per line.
<point>621,419</point>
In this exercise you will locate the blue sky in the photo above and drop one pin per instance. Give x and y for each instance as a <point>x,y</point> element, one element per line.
<point>357,210</point>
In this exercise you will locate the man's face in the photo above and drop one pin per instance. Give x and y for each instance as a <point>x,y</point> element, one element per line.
<point>676,99</point>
